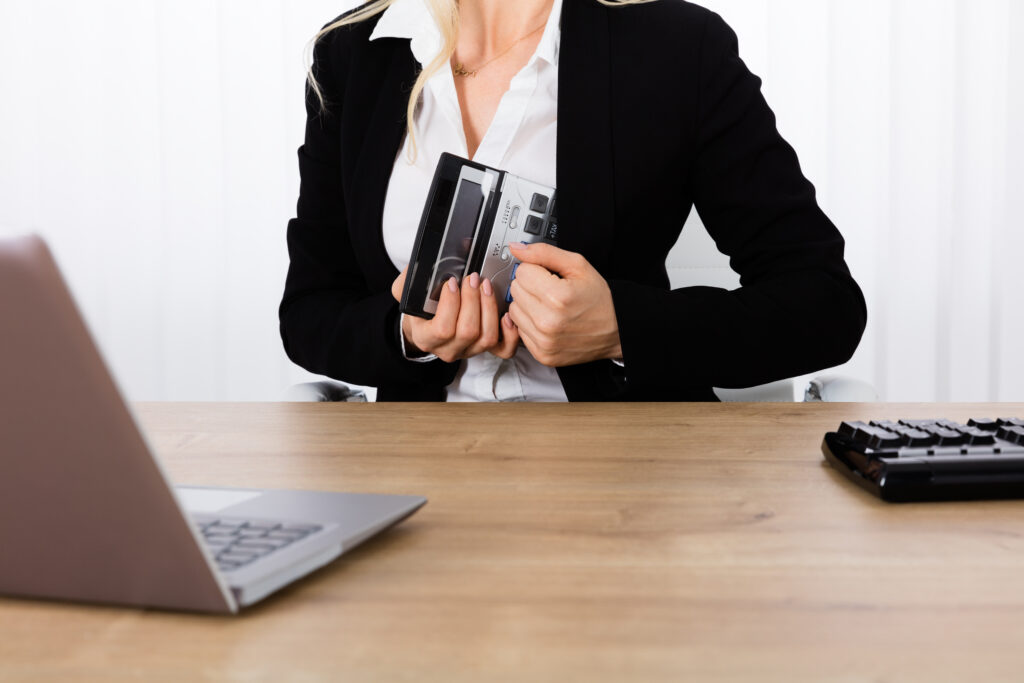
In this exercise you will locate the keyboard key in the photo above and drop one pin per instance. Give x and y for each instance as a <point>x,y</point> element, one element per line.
<point>307,528</point>
<point>552,234</point>
<point>978,437</point>
<point>220,538</point>
<point>237,556</point>
<point>947,437</point>
<point>916,438</point>
<point>1012,434</point>
<point>251,533</point>
<point>1010,422</point>
<point>539,203</point>
<point>269,542</point>
<point>883,439</point>
<point>230,523</point>
<point>918,424</point>
<point>983,423</point>
<point>253,549</point>
<point>850,428</point>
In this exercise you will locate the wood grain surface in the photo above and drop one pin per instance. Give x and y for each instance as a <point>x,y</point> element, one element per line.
<point>574,542</point>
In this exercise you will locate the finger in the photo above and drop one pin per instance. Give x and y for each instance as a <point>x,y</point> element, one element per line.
<point>538,280</point>
<point>467,330</point>
<point>526,308</point>
<point>441,329</point>
<point>532,345</point>
<point>509,343</point>
<point>560,261</point>
<point>490,333</point>
<point>398,285</point>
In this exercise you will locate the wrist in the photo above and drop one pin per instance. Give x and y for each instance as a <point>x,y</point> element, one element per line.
<point>409,348</point>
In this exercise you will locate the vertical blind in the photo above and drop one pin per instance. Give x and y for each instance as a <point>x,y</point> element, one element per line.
<point>153,143</point>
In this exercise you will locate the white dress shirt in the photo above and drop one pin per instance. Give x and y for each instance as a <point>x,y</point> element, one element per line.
<point>521,140</point>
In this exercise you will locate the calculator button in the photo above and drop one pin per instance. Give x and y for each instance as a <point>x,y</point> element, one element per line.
<point>554,202</point>
<point>534,225</point>
<point>552,232</point>
<point>508,292</point>
<point>539,203</point>
<point>513,221</point>
<point>505,254</point>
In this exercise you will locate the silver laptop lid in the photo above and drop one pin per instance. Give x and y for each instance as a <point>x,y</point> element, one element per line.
<point>85,511</point>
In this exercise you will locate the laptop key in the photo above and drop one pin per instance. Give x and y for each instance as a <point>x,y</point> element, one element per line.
<point>252,549</point>
<point>251,533</point>
<point>236,556</point>
<point>230,523</point>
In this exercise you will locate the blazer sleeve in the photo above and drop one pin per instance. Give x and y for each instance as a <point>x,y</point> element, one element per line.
<point>332,323</point>
<point>798,309</point>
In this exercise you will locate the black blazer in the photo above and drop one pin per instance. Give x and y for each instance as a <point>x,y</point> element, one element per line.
<point>656,114</point>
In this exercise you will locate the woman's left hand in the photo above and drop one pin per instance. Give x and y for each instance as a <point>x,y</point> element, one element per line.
<point>562,307</point>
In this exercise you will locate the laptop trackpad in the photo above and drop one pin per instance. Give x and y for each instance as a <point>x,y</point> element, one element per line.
<point>213,500</point>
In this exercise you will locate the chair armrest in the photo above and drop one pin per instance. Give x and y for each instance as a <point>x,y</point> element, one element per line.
<point>776,392</point>
<point>327,391</point>
<point>839,389</point>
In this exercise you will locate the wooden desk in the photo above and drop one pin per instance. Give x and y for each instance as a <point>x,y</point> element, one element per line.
<point>572,542</point>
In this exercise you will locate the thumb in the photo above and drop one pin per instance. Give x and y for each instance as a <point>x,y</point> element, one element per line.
<point>558,261</point>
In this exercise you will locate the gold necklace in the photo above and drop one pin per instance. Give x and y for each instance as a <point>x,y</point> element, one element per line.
<point>460,69</point>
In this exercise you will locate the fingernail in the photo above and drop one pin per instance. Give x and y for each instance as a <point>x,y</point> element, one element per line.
<point>474,281</point>
<point>507,321</point>
<point>523,245</point>
<point>488,290</point>
<point>453,285</point>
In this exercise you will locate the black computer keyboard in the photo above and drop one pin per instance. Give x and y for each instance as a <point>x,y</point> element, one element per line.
<point>917,460</point>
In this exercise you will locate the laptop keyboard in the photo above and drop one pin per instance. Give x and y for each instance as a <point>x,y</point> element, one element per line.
<point>236,542</point>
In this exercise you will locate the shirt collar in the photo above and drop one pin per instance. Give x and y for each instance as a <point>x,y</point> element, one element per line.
<point>412,20</point>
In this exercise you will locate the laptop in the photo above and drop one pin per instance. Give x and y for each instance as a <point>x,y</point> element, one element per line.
<point>86,511</point>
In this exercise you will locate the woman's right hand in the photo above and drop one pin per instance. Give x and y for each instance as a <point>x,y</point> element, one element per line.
<point>465,324</point>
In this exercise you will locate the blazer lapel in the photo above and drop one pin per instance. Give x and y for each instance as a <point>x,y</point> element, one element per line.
<point>586,206</point>
<point>388,88</point>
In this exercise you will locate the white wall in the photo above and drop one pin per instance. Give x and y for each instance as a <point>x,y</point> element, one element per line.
<point>153,142</point>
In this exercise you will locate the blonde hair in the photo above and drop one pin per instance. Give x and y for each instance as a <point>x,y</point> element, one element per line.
<point>446,14</point>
